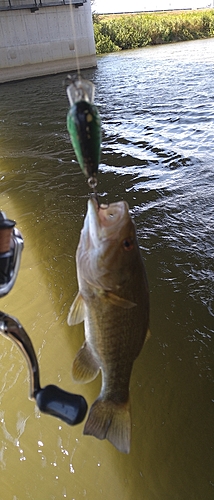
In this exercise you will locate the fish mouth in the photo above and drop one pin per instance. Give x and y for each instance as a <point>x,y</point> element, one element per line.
<point>105,221</point>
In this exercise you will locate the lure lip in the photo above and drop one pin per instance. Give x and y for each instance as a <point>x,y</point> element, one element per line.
<point>80,90</point>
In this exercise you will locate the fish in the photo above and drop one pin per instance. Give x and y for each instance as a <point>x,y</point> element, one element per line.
<point>113,302</point>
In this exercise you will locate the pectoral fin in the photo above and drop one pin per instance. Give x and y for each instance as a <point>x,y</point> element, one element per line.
<point>77,311</point>
<point>85,368</point>
<point>119,301</point>
<point>112,297</point>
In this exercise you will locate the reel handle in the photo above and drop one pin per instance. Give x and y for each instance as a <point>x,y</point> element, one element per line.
<point>71,408</point>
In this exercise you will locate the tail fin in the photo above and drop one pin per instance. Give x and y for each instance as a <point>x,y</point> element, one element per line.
<point>111,421</point>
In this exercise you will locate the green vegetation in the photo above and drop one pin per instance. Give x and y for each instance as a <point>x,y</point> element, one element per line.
<point>129,31</point>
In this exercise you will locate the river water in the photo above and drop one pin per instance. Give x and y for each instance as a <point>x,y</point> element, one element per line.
<point>157,111</point>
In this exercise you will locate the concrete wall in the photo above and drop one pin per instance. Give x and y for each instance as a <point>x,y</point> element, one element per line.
<point>44,42</point>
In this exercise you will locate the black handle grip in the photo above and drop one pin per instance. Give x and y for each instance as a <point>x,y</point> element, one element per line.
<point>71,408</point>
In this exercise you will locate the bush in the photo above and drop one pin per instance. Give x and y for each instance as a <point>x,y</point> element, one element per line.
<point>121,32</point>
<point>103,41</point>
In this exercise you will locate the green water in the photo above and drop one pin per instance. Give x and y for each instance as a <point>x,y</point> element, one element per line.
<point>157,112</point>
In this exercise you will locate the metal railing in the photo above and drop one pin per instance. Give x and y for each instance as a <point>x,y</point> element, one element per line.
<point>35,5</point>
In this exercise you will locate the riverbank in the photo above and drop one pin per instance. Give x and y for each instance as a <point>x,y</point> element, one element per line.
<point>129,31</point>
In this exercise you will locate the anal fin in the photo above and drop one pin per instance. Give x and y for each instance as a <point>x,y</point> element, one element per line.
<point>85,368</point>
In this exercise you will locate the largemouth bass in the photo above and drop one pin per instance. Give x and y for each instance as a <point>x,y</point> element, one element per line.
<point>113,302</point>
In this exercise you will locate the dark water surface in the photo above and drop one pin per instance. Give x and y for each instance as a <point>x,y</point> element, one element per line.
<point>157,111</point>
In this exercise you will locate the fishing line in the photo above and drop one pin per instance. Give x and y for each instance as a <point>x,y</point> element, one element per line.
<point>74,38</point>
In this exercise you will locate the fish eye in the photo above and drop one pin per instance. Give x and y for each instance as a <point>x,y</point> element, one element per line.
<point>128,244</point>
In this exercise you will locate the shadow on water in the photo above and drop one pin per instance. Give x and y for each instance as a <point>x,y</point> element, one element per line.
<point>168,184</point>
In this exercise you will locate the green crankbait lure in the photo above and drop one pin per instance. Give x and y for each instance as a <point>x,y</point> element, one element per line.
<point>83,123</point>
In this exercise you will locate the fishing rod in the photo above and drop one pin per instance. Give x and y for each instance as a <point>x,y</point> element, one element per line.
<point>71,408</point>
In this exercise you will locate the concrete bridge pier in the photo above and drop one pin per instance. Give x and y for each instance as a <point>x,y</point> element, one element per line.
<point>38,37</point>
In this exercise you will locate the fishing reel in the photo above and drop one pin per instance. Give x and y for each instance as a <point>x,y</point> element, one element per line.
<point>11,245</point>
<point>71,408</point>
